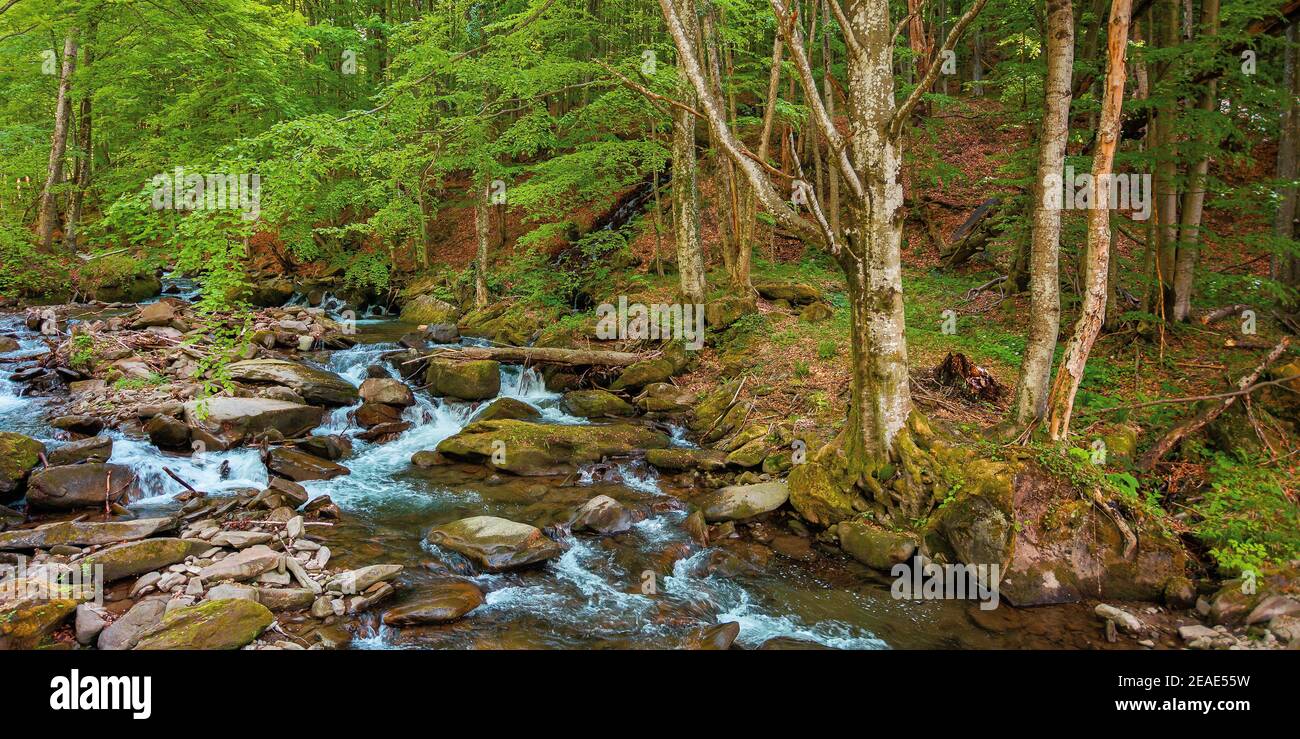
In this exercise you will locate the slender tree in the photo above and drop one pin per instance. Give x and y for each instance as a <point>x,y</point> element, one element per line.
<point>58,141</point>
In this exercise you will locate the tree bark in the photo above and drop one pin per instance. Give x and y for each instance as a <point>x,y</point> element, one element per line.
<point>85,154</point>
<point>1166,33</point>
<point>1284,267</point>
<point>1066,386</point>
<point>1045,235</point>
<point>481,229</point>
<point>58,142</point>
<point>686,189</point>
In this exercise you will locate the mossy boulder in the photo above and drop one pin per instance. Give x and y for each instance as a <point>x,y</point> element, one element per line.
<point>508,408</point>
<point>596,403</point>
<point>721,313</point>
<point>738,502</point>
<point>643,373</point>
<point>718,413</point>
<point>19,455</point>
<point>505,323</point>
<point>816,313</point>
<point>81,486</point>
<point>1121,444</point>
<point>750,454</point>
<point>525,448</point>
<point>665,398</point>
<point>795,293</point>
<point>478,379</point>
<point>428,310</point>
<point>216,624</point>
<point>875,547</point>
<point>25,622</point>
<point>817,498</point>
<point>138,557</point>
<point>684,460</point>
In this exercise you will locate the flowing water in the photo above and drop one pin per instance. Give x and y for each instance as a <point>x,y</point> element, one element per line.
<point>650,587</point>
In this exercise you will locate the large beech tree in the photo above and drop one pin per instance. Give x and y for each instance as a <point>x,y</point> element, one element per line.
<point>877,436</point>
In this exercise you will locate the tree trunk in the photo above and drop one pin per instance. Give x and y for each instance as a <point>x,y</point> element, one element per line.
<point>85,155</point>
<point>1285,267</point>
<point>1189,232</point>
<point>58,142</point>
<point>1166,32</point>
<point>1044,277</point>
<point>686,204</point>
<point>1061,400</point>
<point>481,230</point>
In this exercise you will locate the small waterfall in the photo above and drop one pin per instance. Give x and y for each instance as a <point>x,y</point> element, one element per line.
<point>211,472</point>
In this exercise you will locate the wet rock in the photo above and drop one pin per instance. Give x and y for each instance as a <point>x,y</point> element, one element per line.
<point>664,397</point>
<point>596,404</point>
<point>718,637</point>
<point>387,391</point>
<point>1127,622</point>
<point>361,580</point>
<point>88,623</point>
<point>166,432</point>
<point>19,455</point>
<point>316,386</point>
<point>603,515</point>
<point>223,423</point>
<point>495,544</point>
<point>1196,631</point>
<point>543,449</point>
<point>375,414</point>
<point>332,447</point>
<point>441,603</point>
<point>84,533</point>
<point>125,631</point>
<point>478,379</point>
<point>81,486</point>
<point>138,557</point>
<point>323,507</point>
<point>95,449</point>
<point>508,408</point>
<point>442,333</point>
<point>683,460</point>
<point>216,624</point>
<point>643,373</point>
<point>875,547</point>
<point>738,502</point>
<point>293,494</point>
<point>697,528</point>
<point>239,539</point>
<point>795,293</point>
<point>26,620</point>
<point>244,565</point>
<point>84,425</point>
<point>286,599</point>
<point>300,466</point>
<point>1272,607</point>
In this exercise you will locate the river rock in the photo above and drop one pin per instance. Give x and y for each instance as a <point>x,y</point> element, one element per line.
<point>441,603</point>
<point>645,372</point>
<point>596,403</point>
<point>239,539</point>
<point>387,391</point>
<point>478,379</point>
<point>442,333</point>
<point>138,557</point>
<point>80,424</point>
<point>214,624</point>
<point>360,580</point>
<point>95,449</point>
<point>25,621</point>
<point>84,533</point>
<point>526,448</point>
<point>166,432</point>
<point>875,547</point>
<point>223,423</point>
<point>1127,622</point>
<point>332,447</point>
<point>738,502</point>
<point>316,386</point>
<point>677,459</point>
<point>161,313</point>
<point>495,544</point>
<point>369,415</point>
<point>125,631</point>
<point>603,515</point>
<point>1272,607</point>
<point>81,486</point>
<point>719,637</point>
<point>508,408</point>
<point>300,466</point>
<point>19,455</point>
<point>665,397</point>
<point>88,624</point>
<point>429,310</point>
<point>244,565</point>
<point>286,599</point>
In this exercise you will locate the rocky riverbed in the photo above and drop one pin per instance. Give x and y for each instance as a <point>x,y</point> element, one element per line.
<point>339,486</point>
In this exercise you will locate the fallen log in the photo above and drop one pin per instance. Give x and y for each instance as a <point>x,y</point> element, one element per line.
<point>536,355</point>
<point>1221,313</point>
<point>1205,417</point>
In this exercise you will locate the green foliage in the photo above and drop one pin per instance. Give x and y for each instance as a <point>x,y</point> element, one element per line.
<point>1246,518</point>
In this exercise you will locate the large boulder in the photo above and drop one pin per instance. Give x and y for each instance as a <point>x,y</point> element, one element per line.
<point>29,612</point>
<point>316,386</point>
<point>83,533</point>
<point>596,404</point>
<point>427,309</point>
<point>478,379</point>
<point>215,624</point>
<point>495,544</point>
<point>299,466</point>
<point>508,408</point>
<point>388,391</point>
<point>161,313</point>
<point>526,448</point>
<point>602,515</point>
<point>738,502</point>
<point>643,373</point>
<point>166,432</point>
<point>664,397</point>
<point>138,557</point>
<point>19,455</point>
<point>875,547</point>
<point>223,423</point>
<point>126,631</point>
<point>244,565</point>
<point>816,497</point>
<point>795,293</point>
<point>441,603</point>
<point>81,486</point>
<point>684,460</point>
<point>721,313</point>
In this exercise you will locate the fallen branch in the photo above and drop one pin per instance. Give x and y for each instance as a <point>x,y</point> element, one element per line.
<point>1200,420</point>
<point>1221,313</point>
